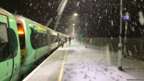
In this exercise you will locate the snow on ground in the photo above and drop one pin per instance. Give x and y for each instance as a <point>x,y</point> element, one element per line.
<point>93,72</point>
<point>86,64</point>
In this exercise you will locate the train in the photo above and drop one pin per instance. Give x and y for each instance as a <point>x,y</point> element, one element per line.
<point>22,43</point>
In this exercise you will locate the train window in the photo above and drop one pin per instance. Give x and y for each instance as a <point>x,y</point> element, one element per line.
<point>38,39</point>
<point>53,38</point>
<point>3,35</point>
<point>3,41</point>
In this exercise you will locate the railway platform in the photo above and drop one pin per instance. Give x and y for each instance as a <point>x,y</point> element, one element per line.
<point>78,62</point>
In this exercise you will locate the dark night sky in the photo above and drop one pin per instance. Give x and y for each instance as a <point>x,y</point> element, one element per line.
<point>98,18</point>
<point>38,10</point>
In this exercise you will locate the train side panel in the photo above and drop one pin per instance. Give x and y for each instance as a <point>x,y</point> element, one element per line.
<point>9,47</point>
<point>34,49</point>
<point>14,48</point>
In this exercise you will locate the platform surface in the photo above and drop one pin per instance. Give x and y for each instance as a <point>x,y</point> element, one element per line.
<point>79,62</point>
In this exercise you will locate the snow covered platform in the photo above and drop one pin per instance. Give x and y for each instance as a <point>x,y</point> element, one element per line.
<point>77,62</point>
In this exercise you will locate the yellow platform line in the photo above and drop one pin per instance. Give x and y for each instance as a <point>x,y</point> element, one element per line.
<point>60,78</point>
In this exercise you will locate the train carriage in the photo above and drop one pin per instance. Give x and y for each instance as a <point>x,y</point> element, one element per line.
<point>35,41</point>
<point>9,47</point>
<point>22,43</point>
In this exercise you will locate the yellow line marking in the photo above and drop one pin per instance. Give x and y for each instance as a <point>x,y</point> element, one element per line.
<point>61,72</point>
<point>60,78</point>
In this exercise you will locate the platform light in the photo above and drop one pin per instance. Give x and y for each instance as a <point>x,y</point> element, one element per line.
<point>75,14</point>
<point>73,24</point>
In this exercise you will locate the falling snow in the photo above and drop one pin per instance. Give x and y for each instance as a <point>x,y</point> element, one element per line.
<point>78,3</point>
<point>96,18</point>
<point>112,23</point>
<point>141,17</point>
<point>101,15</point>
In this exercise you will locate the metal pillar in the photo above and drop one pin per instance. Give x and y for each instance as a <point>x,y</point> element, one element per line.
<point>60,12</point>
<point>120,56</point>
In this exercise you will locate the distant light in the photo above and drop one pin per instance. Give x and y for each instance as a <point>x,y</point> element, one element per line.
<point>126,18</point>
<point>73,24</point>
<point>75,14</point>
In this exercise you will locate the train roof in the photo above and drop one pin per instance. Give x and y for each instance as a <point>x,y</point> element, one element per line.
<point>36,23</point>
<point>29,20</point>
<point>2,11</point>
<point>43,26</point>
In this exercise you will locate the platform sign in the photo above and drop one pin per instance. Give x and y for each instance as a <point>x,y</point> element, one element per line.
<point>126,18</point>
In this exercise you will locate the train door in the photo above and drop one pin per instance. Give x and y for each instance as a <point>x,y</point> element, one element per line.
<point>21,33</point>
<point>6,62</point>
